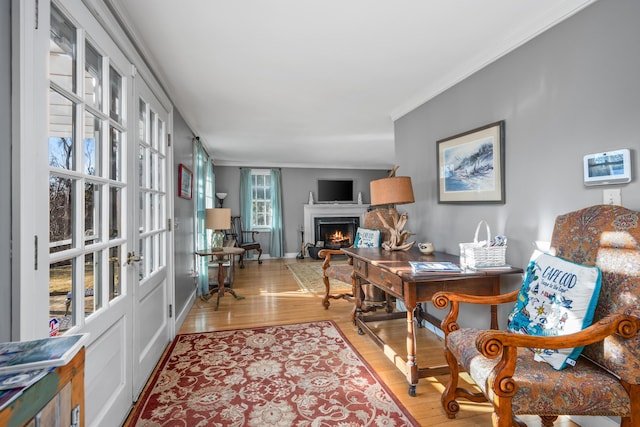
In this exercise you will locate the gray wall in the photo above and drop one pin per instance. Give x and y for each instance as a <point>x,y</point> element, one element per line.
<point>296,185</point>
<point>5,170</point>
<point>573,90</point>
<point>183,214</point>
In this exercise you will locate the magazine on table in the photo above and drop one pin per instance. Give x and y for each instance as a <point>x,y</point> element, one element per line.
<point>22,379</point>
<point>21,356</point>
<point>12,385</point>
<point>430,267</point>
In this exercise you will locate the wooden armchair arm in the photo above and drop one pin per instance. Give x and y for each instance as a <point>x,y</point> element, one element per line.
<point>491,343</point>
<point>450,322</point>
<point>326,254</point>
<point>253,234</point>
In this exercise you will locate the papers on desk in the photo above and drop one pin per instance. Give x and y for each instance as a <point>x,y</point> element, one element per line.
<point>22,379</point>
<point>12,385</point>
<point>429,267</point>
<point>491,267</point>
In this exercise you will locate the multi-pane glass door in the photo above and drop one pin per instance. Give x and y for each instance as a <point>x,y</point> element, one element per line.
<point>149,233</point>
<point>107,175</point>
<point>87,128</point>
<point>104,131</point>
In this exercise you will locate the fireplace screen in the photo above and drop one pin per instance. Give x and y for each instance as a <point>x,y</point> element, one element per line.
<point>336,232</point>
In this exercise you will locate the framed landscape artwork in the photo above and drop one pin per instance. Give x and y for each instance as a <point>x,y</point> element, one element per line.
<point>185,182</point>
<point>471,166</point>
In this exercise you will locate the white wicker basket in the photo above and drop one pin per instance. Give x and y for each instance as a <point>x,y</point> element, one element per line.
<point>479,254</point>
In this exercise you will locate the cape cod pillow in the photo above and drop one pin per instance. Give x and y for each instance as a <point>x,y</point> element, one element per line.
<point>367,238</point>
<point>557,297</point>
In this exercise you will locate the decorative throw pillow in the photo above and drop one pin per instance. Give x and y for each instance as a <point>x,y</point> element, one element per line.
<point>367,238</point>
<point>558,297</point>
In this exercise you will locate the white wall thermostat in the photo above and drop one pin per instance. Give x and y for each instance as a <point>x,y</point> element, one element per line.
<point>611,167</point>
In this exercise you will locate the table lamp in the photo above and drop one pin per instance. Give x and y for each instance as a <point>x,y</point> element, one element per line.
<point>393,190</point>
<point>218,219</point>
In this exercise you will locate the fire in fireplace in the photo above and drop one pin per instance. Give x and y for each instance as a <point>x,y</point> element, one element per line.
<point>336,232</point>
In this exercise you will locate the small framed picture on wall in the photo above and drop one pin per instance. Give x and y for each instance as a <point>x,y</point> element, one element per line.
<point>185,182</point>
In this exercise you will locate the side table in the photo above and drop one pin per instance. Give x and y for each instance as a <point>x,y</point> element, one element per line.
<point>220,287</point>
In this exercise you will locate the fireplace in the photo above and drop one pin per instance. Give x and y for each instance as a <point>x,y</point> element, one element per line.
<point>329,211</point>
<point>336,232</point>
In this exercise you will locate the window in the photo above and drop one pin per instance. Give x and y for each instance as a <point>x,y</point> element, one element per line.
<point>260,198</point>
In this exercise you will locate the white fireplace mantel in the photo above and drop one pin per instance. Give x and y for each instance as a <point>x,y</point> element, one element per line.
<point>329,210</point>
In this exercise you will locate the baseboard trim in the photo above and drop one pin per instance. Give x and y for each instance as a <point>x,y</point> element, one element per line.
<point>433,329</point>
<point>182,315</point>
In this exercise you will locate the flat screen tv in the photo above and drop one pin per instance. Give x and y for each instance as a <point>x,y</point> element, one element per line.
<point>335,190</point>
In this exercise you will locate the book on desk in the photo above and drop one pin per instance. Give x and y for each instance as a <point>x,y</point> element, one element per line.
<point>418,267</point>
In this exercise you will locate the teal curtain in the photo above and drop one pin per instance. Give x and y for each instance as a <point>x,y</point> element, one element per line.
<point>276,249</point>
<point>245,197</point>
<point>204,189</point>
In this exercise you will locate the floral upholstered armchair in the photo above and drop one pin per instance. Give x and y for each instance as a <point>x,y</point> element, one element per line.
<point>604,379</point>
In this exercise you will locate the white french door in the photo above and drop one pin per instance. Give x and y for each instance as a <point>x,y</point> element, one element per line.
<point>93,256</point>
<point>90,133</point>
<point>152,299</point>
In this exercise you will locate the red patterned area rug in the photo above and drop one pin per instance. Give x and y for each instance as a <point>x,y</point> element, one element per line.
<point>305,374</point>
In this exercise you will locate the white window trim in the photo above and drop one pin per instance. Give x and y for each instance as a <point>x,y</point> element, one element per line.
<point>261,228</point>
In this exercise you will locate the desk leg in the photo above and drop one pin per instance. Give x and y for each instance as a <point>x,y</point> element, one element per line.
<point>412,366</point>
<point>355,291</point>
<point>358,297</point>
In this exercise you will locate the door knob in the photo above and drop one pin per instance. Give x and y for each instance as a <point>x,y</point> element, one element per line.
<point>132,257</point>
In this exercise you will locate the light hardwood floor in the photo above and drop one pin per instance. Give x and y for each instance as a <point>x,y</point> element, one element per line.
<point>272,296</point>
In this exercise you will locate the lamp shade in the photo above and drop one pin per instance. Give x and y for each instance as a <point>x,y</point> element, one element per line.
<point>391,191</point>
<point>218,219</point>
<point>221,196</point>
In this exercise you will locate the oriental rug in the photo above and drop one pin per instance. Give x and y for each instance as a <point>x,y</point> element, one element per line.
<point>309,277</point>
<point>304,374</point>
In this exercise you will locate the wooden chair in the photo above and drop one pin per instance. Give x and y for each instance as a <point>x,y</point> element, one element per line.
<point>344,272</point>
<point>605,380</point>
<point>238,233</point>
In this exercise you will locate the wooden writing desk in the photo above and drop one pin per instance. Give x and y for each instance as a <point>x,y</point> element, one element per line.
<point>390,271</point>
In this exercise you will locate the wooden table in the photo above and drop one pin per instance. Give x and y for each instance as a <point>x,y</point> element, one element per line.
<point>220,256</point>
<point>390,271</point>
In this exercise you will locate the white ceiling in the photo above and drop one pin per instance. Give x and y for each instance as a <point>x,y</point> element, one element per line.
<point>318,83</point>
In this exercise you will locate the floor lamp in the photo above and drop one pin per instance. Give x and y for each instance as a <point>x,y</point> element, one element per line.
<point>393,190</point>
<point>221,197</point>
